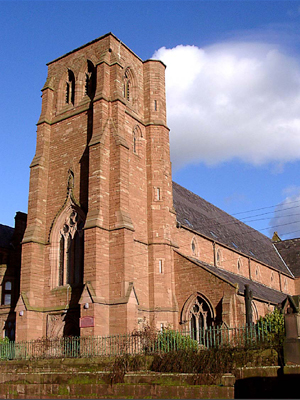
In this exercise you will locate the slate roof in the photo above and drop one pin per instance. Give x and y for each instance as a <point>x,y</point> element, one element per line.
<point>198,214</point>
<point>259,291</point>
<point>6,233</point>
<point>290,251</point>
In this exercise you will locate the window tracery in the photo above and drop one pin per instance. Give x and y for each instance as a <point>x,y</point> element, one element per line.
<point>200,318</point>
<point>67,241</point>
<point>127,85</point>
<point>70,261</point>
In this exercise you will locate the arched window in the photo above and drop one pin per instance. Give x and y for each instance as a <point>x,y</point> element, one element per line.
<point>194,247</point>
<point>134,142</point>
<point>67,247</point>
<point>9,329</point>
<point>70,88</point>
<point>137,136</point>
<point>70,262</point>
<point>90,80</point>
<point>127,84</point>
<point>200,319</point>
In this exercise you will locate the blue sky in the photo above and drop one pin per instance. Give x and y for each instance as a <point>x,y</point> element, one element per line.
<point>235,125</point>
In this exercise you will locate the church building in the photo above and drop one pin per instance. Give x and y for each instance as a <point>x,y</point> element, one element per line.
<point>111,243</point>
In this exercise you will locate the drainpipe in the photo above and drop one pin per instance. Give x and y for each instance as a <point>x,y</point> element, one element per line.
<point>214,250</point>
<point>249,266</point>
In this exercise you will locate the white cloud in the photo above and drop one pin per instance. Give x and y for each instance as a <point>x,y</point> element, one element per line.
<point>236,100</point>
<point>286,219</point>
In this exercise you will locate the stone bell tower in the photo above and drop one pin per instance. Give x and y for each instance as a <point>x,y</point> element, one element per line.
<point>97,251</point>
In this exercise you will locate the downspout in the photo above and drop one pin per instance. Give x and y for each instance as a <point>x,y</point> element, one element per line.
<point>214,250</point>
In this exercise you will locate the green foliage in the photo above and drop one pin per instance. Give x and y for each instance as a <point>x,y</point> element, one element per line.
<point>4,340</point>
<point>167,340</point>
<point>6,349</point>
<point>272,327</point>
<point>170,340</point>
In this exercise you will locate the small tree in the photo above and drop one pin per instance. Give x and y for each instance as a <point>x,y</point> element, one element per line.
<point>272,327</point>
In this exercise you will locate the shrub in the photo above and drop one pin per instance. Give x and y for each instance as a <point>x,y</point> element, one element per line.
<point>4,340</point>
<point>170,340</point>
<point>272,327</point>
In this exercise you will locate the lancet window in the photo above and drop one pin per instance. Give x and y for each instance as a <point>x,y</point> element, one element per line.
<point>90,80</point>
<point>127,85</point>
<point>137,139</point>
<point>70,88</point>
<point>70,260</point>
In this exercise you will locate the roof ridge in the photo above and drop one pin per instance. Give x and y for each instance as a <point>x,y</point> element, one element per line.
<point>196,213</point>
<point>222,211</point>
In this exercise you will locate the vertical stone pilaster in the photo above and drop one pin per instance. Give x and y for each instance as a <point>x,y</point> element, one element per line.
<point>160,200</point>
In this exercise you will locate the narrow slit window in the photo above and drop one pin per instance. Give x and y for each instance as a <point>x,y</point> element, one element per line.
<point>127,85</point>
<point>194,248</point>
<point>70,88</point>
<point>134,143</point>
<point>155,105</point>
<point>160,266</point>
<point>158,193</point>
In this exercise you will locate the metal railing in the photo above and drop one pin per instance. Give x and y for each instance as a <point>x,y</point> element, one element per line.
<point>138,343</point>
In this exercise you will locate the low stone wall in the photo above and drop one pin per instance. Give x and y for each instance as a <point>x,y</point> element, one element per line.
<point>98,391</point>
<point>75,379</point>
<point>72,379</point>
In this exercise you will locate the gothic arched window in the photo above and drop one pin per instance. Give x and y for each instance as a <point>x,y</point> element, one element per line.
<point>200,318</point>
<point>70,263</point>
<point>90,80</point>
<point>194,247</point>
<point>70,88</point>
<point>67,247</point>
<point>137,139</point>
<point>127,84</point>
